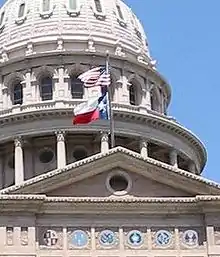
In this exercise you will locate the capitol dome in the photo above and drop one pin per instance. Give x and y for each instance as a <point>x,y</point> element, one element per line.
<point>73,25</point>
<point>45,45</point>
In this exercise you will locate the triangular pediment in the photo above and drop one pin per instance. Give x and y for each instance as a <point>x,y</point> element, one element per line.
<point>150,177</point>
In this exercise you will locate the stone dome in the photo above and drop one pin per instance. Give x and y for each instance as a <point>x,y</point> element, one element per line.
<point>78,22</point>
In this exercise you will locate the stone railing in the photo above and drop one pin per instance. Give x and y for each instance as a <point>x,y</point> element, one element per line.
<point>71,104</point>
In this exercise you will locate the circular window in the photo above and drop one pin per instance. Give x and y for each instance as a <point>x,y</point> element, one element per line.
<point>11,162</point>
<point>118,183</point>
<point>46,156</point>
<point>79,154</point>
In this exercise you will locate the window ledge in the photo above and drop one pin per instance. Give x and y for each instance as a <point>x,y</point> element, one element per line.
<point>46,15</point>
<point>122,22</point>
<point>73,13</point>
<point>21,20</point>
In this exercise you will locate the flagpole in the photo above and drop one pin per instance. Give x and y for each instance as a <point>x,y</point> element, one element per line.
<point>111,119</point>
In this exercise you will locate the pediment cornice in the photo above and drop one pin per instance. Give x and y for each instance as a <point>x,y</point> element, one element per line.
<point>107,205</point>
<point>116,158</point>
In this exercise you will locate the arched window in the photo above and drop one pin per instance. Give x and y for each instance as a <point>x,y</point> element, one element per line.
<point>98,6</point>
<point>21,10</point>
<point>2,18</point>
<point>45,5</point>
<point>17,94</point>
<point>120,14</point>
<point>76,88</point>
<point>46,88</point>
<point>132,95</point>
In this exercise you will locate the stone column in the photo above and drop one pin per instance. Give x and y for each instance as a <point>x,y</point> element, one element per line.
<point>144,148</point>
<point>173,158</point>
<point>19,161</point>
<point>104,142</point>
<point>148,94</point>
<point>61,150</point>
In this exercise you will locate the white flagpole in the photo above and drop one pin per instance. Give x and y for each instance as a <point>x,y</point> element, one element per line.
<point>111,119</point>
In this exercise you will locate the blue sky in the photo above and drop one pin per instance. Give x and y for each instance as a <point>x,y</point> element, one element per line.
<point>184,38</point>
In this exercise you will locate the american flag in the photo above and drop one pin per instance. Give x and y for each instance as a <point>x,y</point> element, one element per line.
<point>95,77</point>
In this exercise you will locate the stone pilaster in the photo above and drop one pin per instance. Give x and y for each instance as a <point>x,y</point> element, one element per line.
<point>144,148</point>
<point>60,87</point>
<point>104,142</point>
<point>27,87</point>
<point>19,161</point>
<point>61,149</point>
<point>173,158</point>
<point>5,97</point>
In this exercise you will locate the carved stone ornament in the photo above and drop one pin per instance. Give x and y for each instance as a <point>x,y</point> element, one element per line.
<point>4,56</point>
<point>91,47</point>
<point>29,50</point>
<point>18,142</point>
<point>119,50</point>
<point>9,236</point>
<point>60,44</point>
<point>60,136</point>
<point>24,236</point>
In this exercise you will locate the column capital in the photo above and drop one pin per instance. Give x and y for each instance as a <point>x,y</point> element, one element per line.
<point>104,136</point>
<point>60,135</point>
<point>18,141</point>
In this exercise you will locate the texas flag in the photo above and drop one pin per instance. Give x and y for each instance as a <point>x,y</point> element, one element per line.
<point>94,109</point>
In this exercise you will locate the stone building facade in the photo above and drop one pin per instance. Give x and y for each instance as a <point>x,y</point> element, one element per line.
<point>63,191</point>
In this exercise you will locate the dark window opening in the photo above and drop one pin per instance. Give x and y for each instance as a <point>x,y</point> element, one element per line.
<point>21,10</point>
<point>77,90</point>
<point>120,14</point>
<point>132,95</point>
<point>46,90</point>
<point>118,183</point>
<point>98,6</point>
<point>17,94</point>
<point>79,154</point>
<point>2,18</point>
<point>46,156</point>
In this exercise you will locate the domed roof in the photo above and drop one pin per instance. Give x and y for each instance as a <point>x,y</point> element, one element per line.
<point>108,22</point>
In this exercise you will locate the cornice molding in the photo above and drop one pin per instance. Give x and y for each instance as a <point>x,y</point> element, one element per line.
<point>108,205</point>
<point>123,112</point>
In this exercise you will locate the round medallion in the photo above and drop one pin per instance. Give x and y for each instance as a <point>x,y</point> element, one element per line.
<point>190,238</point>
<point>50,237</point>
<point>163,238</point>
<point>107,238</point>
<point>135,238</point>
<point>79,238</point>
